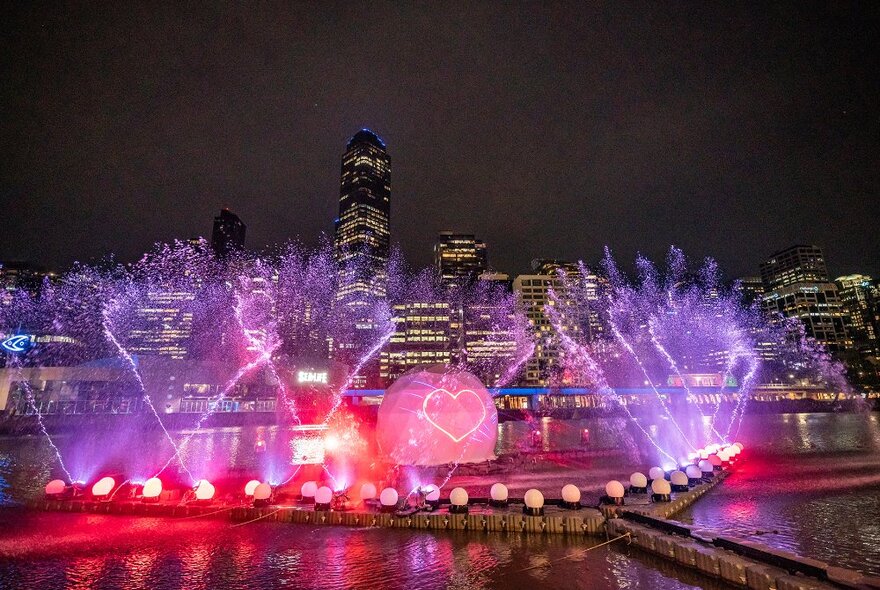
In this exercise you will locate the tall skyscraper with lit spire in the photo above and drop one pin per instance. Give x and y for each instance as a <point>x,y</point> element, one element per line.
<point>362,237</point>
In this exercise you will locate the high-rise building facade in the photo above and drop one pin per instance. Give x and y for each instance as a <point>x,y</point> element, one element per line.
<point>459,258</point>
<point>228,234</point>
<point>797,264</point>
<point>426,333</point>
<point>861,300</point>
<point>162,325</point>
<point>797,285</point>
<point>362,235</point>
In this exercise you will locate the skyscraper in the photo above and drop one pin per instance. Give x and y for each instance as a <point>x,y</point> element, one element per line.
<point>797,285</point>
<point>860,298</point>
<point>459,258</point>
<point>362,237</point>
<point>797,264</point>
<point>228,234</point>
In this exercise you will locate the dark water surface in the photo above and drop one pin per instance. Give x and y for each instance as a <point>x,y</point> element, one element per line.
<point>811,484</point>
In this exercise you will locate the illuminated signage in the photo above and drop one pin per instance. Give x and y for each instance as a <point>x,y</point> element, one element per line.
<point>16,344</point>
<point>312,377</point>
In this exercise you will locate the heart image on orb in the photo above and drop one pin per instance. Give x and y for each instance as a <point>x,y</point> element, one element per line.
<point>436,416</point>
<point>454,414</point>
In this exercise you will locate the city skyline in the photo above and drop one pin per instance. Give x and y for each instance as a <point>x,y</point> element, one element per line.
<point>728,146</point>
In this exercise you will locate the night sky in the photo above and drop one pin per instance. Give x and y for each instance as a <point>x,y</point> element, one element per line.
<point>546,129</point>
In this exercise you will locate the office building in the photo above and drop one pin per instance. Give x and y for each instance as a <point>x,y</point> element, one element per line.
<point>459,258</point>
<point>228,234</point>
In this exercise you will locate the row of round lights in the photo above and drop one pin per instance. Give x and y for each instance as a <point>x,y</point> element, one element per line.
<point>663,483</point>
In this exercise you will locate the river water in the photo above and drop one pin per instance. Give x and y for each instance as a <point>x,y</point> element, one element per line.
<point>811,485</point>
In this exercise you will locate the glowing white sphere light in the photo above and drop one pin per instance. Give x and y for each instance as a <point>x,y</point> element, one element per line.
<point>458,497</point>
<point>433,493</point>
<point>324,495</point>
<point>715,460</point>
<point>263,491</point>
<point>54,487</point>
<point>661,487</point>
<point>534,499</point>
<point>571,494</point>
<point>614,489</point>
<point>368,491</point>
<point>705,466</point>
<point>389,497</point>
<point>498,492</point>
<point>638,480</point>
<point>693,472</point>
<point>152,488</point>
<point>308,489</point>
<point>678,478</point>
<point>204,490</point>
<point>656,473</point>
<point>250,486</point>
<point>739,445</point>
<point>103,486</point>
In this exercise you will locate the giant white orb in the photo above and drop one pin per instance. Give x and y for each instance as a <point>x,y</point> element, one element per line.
<point>693,472</point>
<point>498,492</point>
<point>614,489</point>
<point>571,493</point>
<point>706,466</point>
<point>56,486</point>
<point>638,480</point>
<point>437,415</point>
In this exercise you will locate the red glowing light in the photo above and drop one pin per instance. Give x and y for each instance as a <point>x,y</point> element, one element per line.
<point>56,486</point>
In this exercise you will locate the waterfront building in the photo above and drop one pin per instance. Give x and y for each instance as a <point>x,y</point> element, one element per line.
<point>426,333</point>
<point>228,234</point>
<point>362,239</point>
<point>860,298</point>
<point>162,324</point>
<point>25,276</point>
<point>751,289</point>
<point>797,285</point>
<point>459,258</point>
<point>794,265</point>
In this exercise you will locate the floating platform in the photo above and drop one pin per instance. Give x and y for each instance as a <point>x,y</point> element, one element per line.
<point>646,525</point>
